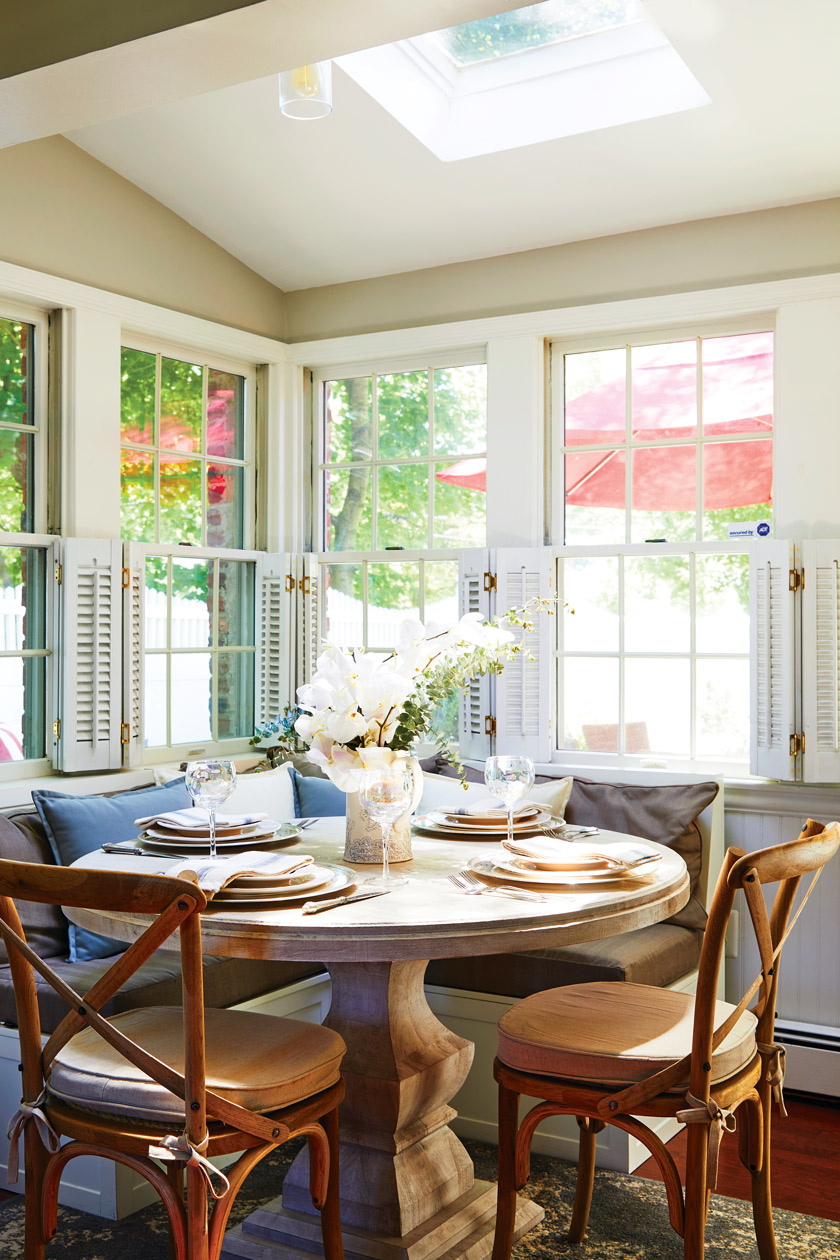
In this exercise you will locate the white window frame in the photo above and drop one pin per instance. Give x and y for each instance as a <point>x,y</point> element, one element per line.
<point>208,360</point>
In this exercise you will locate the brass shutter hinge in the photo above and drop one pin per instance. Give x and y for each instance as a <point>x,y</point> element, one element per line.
<point>489,725</point>
<point>795,580</point>
<point>126,577</point>
<point>125,733</point>
<point>57,728</point>
<point>305,585</point>
<point>797,745</point>
<point>58,574</point>
<point>291,584</point>
<point>489,582</point>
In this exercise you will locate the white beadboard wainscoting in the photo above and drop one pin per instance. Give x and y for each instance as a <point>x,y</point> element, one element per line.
<point>808,1009</point>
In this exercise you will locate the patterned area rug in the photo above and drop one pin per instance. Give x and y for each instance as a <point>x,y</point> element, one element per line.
<point>629,1221</point>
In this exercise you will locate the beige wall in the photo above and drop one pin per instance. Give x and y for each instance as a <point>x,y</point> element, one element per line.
<point>790,241</point>
<point>64,213</point>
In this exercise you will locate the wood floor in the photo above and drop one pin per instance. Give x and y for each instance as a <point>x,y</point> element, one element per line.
<point>806,1156</point>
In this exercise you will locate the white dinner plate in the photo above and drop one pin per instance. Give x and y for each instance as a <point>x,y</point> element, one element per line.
<point>282,836</point>
<point>241,836</point>
<point>498,868</point>
<point>340,879</point>
<point>469,833</point>
<point>467,823</point>
<point>247,887</point>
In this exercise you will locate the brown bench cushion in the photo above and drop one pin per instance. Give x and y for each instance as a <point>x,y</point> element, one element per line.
<point>655,955</point>
<point>227,981</point>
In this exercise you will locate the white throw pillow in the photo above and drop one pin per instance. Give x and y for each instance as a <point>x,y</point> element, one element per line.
<point>268,792</point>
<point>441,792</point>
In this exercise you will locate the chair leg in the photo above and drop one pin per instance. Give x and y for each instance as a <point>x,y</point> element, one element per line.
<point>198,1240</point>
<point>175,1177</point>
<point>330,1212</point>
<point>696,1197</point>
<point>762,1207</point>
<point>36,1158</point>
<point>589,1128</point>
<point>506,1203</point>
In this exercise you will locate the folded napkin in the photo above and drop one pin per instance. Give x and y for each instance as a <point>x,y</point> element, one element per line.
<point>559,856</point>
<point>197,820</point>
<point>488,805</point>
<point>212,876</point>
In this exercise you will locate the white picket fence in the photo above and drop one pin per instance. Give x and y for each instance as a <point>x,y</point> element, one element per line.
<point>190,621</point>
<point>344,619</point>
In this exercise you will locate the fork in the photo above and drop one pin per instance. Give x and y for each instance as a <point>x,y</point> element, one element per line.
<point>558,831</point>
<point>303,823</point>
<point>467,882</point>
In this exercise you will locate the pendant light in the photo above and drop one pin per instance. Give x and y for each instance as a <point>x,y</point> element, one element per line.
<point>307,91</point>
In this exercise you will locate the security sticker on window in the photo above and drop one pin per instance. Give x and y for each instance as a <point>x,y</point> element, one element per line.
<point>750,529</point>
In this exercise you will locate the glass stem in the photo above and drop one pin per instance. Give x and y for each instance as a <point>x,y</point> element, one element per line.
<point>211,810</point>
<point>386,845</point>
<point>510,823</point>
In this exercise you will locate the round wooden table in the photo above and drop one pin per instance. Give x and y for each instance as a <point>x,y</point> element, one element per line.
<point>407,1185</point>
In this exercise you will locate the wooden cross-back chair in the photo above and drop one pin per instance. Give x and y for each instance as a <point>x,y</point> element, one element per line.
<point>608,1053</point>
<point>134,1088</point>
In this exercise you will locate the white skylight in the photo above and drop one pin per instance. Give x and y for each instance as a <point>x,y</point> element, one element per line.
<point>540,73</point>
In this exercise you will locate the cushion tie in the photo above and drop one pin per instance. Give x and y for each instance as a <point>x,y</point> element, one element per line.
<point>26,1112</point>
<point>181,1148</point>
<point>719,1121</point>
<point>773,1059</point>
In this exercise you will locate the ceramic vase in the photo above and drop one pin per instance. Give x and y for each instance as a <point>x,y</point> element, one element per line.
<point>363,839</point>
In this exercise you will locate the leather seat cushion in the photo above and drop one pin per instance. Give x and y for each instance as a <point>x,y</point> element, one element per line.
<point>157,982</point>
<point>258,1061</point>
<point>614,1034</point>
<point>655,955</point>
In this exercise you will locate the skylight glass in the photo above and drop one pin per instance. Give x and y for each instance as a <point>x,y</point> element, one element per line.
<point>533,27</point>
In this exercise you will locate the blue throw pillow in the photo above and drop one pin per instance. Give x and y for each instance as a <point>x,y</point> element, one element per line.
<point>76,825</point>
<point>316,797</point>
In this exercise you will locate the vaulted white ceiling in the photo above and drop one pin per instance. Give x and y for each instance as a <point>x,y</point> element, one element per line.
<point>355,195</point>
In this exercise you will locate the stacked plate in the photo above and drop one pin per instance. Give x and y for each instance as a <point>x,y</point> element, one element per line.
<point>578,867</point>
<point>266,891</point>
<point>161,839</point>
<point>478,826</point>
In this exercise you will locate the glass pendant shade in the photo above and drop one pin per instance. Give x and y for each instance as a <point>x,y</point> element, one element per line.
<point>307,91</point>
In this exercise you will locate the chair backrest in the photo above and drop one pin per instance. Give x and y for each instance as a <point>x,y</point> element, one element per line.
<point>175,904</point>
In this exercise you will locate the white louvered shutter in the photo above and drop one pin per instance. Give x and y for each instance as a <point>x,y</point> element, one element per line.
<point>134,622</point>
<point>772,660</point>
<point>474,707</point>
<point>309,616</point>
<point>90,699</point>
<point>821,661</point>
<point>276,585</point>
<point>523,689</point>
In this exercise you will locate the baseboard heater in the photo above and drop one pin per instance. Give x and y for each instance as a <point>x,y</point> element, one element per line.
<point>813,1057</point>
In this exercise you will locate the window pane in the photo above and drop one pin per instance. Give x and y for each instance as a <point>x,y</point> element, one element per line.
<point>22,626</point>
<point>403,519</point>
<point>25,575</point>
<point>154,700</point>
<point>590,704</point>
<point>236,603</point>
<point>344,604</point>
<point>461,410</point>
<point>156,601</point>
<point>590,591</point>
<point>737,483</point>
<point>16,481</point>
<point>393,595</point>
<point>459,515</point>
<point>191,603</point>
<point>180,405</point>
<point>403,410</point>
<point>225,415</point>
<point>225,494</point>
<point>180,500</point>
<point>664,493</point>
<point>596,399</point>
<point>657,695</point>
<point>137,396</point>
<point>723,604</point>
<point>738,384</point>
<point>22,684</point>
<point>190,717</point>
<point>137,496</point>
<point>595,497</point>
<point>664,391</point>
<point>347,509</point>
<point>657,604</point>
<point>16,364</point>
<point>235,686</point>
<point>723,709</point>
<point>440,579</point>
<point>349,420</point>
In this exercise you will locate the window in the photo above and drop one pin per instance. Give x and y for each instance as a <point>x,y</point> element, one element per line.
<point>186,436</point>
<point>401,470</point>
<point>25,550</point>
<point>665,449</point>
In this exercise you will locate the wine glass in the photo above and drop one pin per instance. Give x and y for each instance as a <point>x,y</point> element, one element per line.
<point>385,793</point>
<point>509,778</point>
<point>209,783</point>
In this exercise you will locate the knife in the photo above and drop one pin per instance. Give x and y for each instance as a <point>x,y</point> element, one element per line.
<point>314,907</point>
